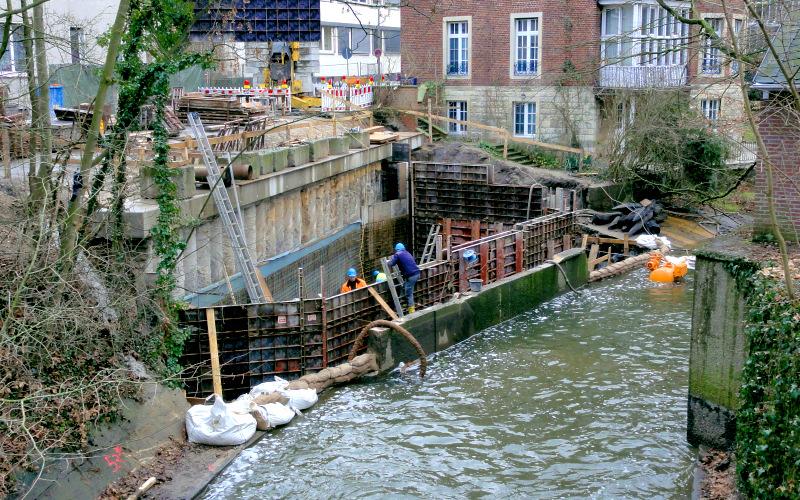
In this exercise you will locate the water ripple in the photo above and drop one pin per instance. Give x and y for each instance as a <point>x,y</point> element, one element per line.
<point>583,397</point>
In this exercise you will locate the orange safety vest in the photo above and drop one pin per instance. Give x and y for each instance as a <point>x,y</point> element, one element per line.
<point>359,284</point>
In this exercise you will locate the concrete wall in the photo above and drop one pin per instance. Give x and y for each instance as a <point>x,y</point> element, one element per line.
<point>442,326</point>
<point>718,353</point>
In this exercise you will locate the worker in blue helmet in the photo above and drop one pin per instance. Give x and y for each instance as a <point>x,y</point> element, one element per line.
<point>353,282</point>
<point>409,269</point>
<point>379,276</point>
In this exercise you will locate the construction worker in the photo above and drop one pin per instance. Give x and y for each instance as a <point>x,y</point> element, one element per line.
<point>380,277</point>
<point>353,282</point>
<point>408,268</point>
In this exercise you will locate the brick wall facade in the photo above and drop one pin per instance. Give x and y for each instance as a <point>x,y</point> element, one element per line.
<point>780,127</point>
<point>570,38</point>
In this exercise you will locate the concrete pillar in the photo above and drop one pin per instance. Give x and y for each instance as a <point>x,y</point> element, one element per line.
<point>270,247</point>
<point>190,262</point>
<point>718,352</point>
<point>203,247</point>
<point>216,250</point>
<point>261,230</point>
<point>251,235</point>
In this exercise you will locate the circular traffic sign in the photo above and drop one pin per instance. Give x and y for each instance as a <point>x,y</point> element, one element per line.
<point>347,52</point>
<point>378,53</point>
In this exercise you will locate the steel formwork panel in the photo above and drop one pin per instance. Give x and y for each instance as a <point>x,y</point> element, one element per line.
<point>258,20</point>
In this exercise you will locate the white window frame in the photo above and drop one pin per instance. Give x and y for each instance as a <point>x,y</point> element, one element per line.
<point>711,108</point>
<point>334,38</point>
<point>17,60</point>
<point>514,45</point>
<point>708,52</point>
<point>457,110</point>
<point>526,123</point>
<point>660,43</point>
<point>446,47</point>
<point>738,28</point>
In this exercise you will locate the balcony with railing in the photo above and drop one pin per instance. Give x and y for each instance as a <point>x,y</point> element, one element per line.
<point>642,77</point>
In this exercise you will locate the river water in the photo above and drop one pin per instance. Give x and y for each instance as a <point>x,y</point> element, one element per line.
<point>584,396</point>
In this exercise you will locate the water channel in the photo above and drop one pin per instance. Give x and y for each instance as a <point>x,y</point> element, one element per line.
<point>584,396</point>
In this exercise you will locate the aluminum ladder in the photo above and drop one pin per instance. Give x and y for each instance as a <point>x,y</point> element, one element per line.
<point>230,218</point>
<point>430,244</point>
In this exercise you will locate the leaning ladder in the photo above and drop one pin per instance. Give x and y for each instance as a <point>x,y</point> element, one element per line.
<point>230,219</point>
<point>430,244</point>
<point>390,282</point>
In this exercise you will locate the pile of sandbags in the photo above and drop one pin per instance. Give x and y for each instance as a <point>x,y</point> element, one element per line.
<point>268,405</point>
<point>342,374</point>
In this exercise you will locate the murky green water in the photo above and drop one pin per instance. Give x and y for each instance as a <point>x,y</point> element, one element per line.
<point>584,396</point>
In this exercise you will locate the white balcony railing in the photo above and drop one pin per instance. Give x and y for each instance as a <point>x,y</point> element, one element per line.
<point>643,77</point>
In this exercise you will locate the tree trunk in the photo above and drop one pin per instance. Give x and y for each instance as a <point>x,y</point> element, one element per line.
<point>72,222</point>
<point>42,181</point>
<point>30,69</point>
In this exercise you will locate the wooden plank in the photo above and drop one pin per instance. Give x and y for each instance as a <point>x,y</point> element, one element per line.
<point>381,302</point>
<point>263,283</point>
<point>626,245</point>
<point>462,274</point>
<point>518,252</point>
<point>593,255</point>
<point>484,263</point>
<point>551,249</point>
<point>567,242</point>
<point>584,241</point>
<point>216,372</point>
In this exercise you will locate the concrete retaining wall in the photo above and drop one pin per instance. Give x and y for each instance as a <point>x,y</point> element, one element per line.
<point>442,326</point>
<point>718,353</point>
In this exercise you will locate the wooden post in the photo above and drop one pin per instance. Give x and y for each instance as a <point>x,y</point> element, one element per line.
<point>505,146</point>
<point>6,137</point>
<point>484,263</point>
<point>626,245</point>
<point>551,249</point>
<point>518,253</point>
<point>447,229</point>
<point>584,241</point>
<point>593,255</point>
<point>216,373</point>
<point>430,121</point>
<point>567,242</point>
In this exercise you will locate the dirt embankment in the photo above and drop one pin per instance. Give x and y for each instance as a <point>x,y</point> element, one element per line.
<point>505,172</point>
<point>718,469</point>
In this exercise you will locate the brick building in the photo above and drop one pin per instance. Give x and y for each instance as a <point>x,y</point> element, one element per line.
<point>779,125</point>
<point>551,69</point>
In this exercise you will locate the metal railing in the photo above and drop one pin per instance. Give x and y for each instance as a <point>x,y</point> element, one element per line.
<point>637,77</point>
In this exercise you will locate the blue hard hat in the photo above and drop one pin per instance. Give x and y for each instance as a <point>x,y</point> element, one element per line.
<point>375,273</point>
<point>399,247</point>
<point>351,273</point>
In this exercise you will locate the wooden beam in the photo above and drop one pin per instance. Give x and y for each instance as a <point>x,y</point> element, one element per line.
<point>263,284</point>
<point>381,302</point>
<point>484,263</point>
<point>584,241</point>
<point>518,252</point>
<point>216,372</point>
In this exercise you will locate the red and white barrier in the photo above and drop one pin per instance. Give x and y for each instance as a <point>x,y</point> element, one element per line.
<point>333,99</point>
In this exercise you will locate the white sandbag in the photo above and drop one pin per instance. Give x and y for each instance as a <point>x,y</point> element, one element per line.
<point>271,415</point>
<point>653,242</point>
<point>219,425</point>
<point>269,387</point>
<point>301,399</point>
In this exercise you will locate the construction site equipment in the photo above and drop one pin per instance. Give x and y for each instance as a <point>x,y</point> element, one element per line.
<point>670,271</point>
<point>391,275</point>
<point>231,219</point>
<point>429,252</point>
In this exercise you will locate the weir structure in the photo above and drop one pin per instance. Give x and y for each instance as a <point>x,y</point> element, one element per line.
<point>232,348</point>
